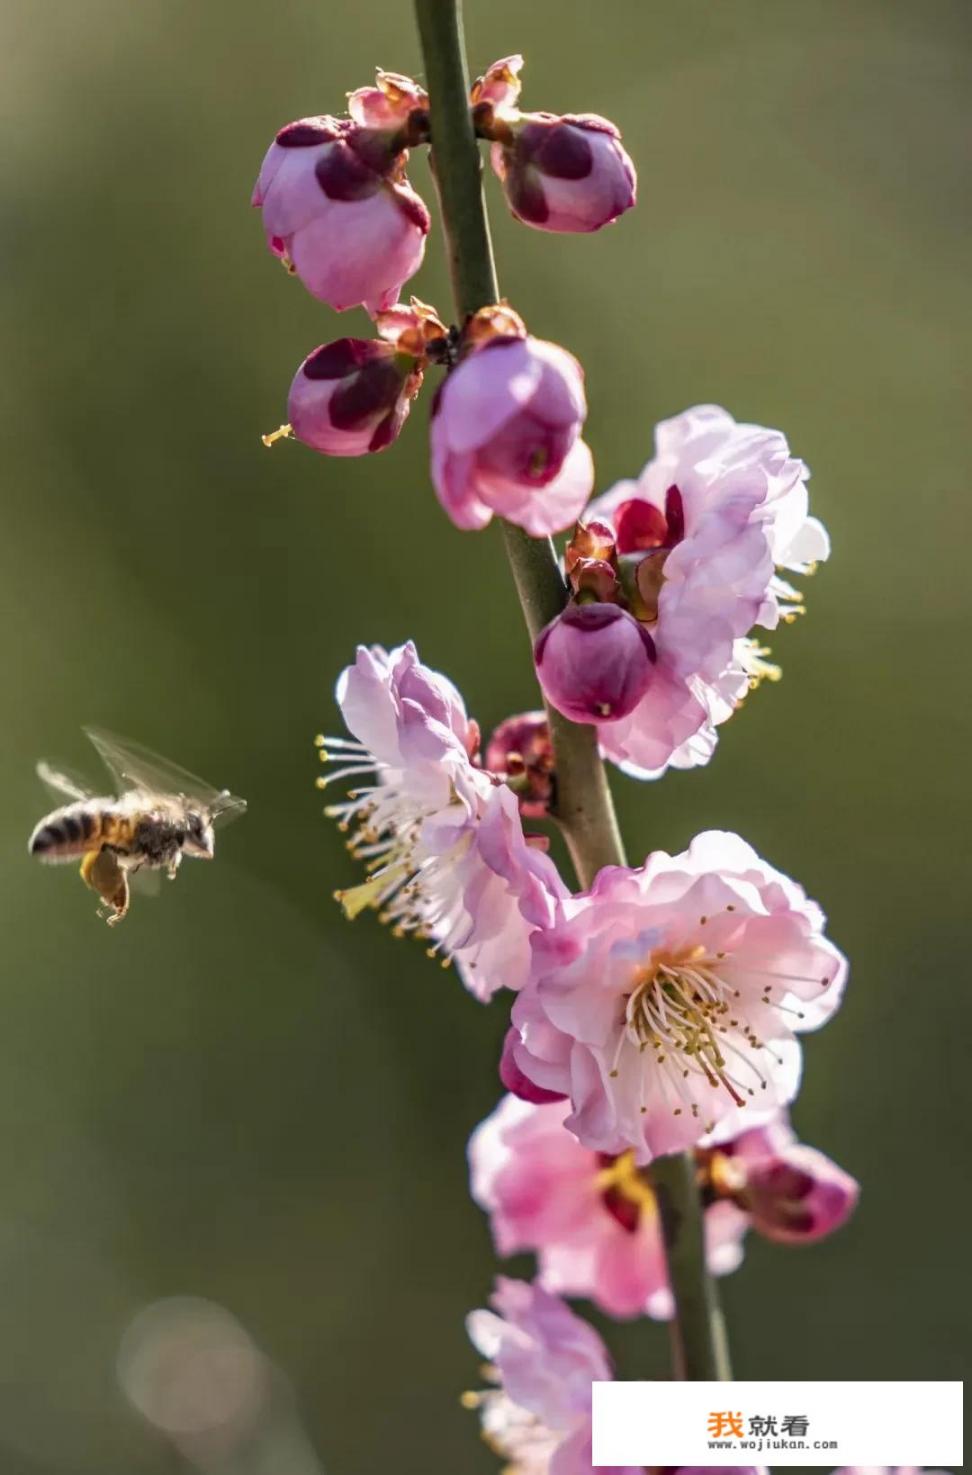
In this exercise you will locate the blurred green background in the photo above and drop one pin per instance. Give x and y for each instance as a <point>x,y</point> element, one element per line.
<point>237,1095</point>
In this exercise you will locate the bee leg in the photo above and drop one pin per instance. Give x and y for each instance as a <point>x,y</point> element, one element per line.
<point>101,871</point>
<point>119,902</point>
<point>88,863</point>
<point>173,867</point>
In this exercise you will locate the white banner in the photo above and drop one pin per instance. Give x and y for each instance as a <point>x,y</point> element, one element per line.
<point>827,1424</point>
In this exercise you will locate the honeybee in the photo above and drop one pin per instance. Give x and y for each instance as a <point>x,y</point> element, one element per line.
<point>159,814</point>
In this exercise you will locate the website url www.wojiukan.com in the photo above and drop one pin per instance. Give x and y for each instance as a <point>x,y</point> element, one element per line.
<point>761,1444</point>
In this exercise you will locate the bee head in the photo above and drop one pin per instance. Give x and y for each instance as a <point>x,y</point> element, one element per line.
<point>199,841</point>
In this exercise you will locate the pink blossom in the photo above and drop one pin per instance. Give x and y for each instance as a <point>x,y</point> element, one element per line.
<point>351,396</point>
<point>592,1219</point>
<point>339,211</point>
<point>668,996</point>
<point>543,1360</point>
<point>699,537</point>
<point>442,839</point>
<point>595,662</point>
<point>568,173</point>
<point>506,437</point>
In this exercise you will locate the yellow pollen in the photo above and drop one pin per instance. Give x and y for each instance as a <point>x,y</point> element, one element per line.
<point>283,433</point>
<point>624,1176</point>
<point>726,1176</point>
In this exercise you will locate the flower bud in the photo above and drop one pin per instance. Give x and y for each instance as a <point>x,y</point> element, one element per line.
<point>339,212</point>
<point>506,436</point>
<point>798,1196</point>
<point>515,1081</point>
<point>567,173</point>
<point>594,662</point>
<point>520,751</point>
<point>352,396</point>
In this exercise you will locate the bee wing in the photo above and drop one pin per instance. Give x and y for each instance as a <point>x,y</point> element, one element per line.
<point>147,880</point>
<point>62,783</point>
<point>135,767</point>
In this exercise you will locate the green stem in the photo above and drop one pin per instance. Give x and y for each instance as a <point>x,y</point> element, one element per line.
<point>585,810</point>
<point>700,1349</point>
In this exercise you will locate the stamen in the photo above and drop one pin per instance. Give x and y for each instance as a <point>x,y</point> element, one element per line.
<point>752,659</point>
<point>283,433</point>
<point>347,771</point>
<point>786,977</point>
<point>685,1010</point>
<point>320,741</point>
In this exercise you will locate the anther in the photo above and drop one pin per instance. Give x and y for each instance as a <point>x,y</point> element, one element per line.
<point>283,433</point>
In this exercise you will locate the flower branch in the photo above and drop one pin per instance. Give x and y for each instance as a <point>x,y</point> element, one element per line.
<point>584,806</point>
<point>653,1050</point>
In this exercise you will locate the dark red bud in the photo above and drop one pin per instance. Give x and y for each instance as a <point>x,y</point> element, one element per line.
<point>521,752</point>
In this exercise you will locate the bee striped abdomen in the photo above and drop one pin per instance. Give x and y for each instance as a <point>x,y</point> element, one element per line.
<point>76,829</point>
